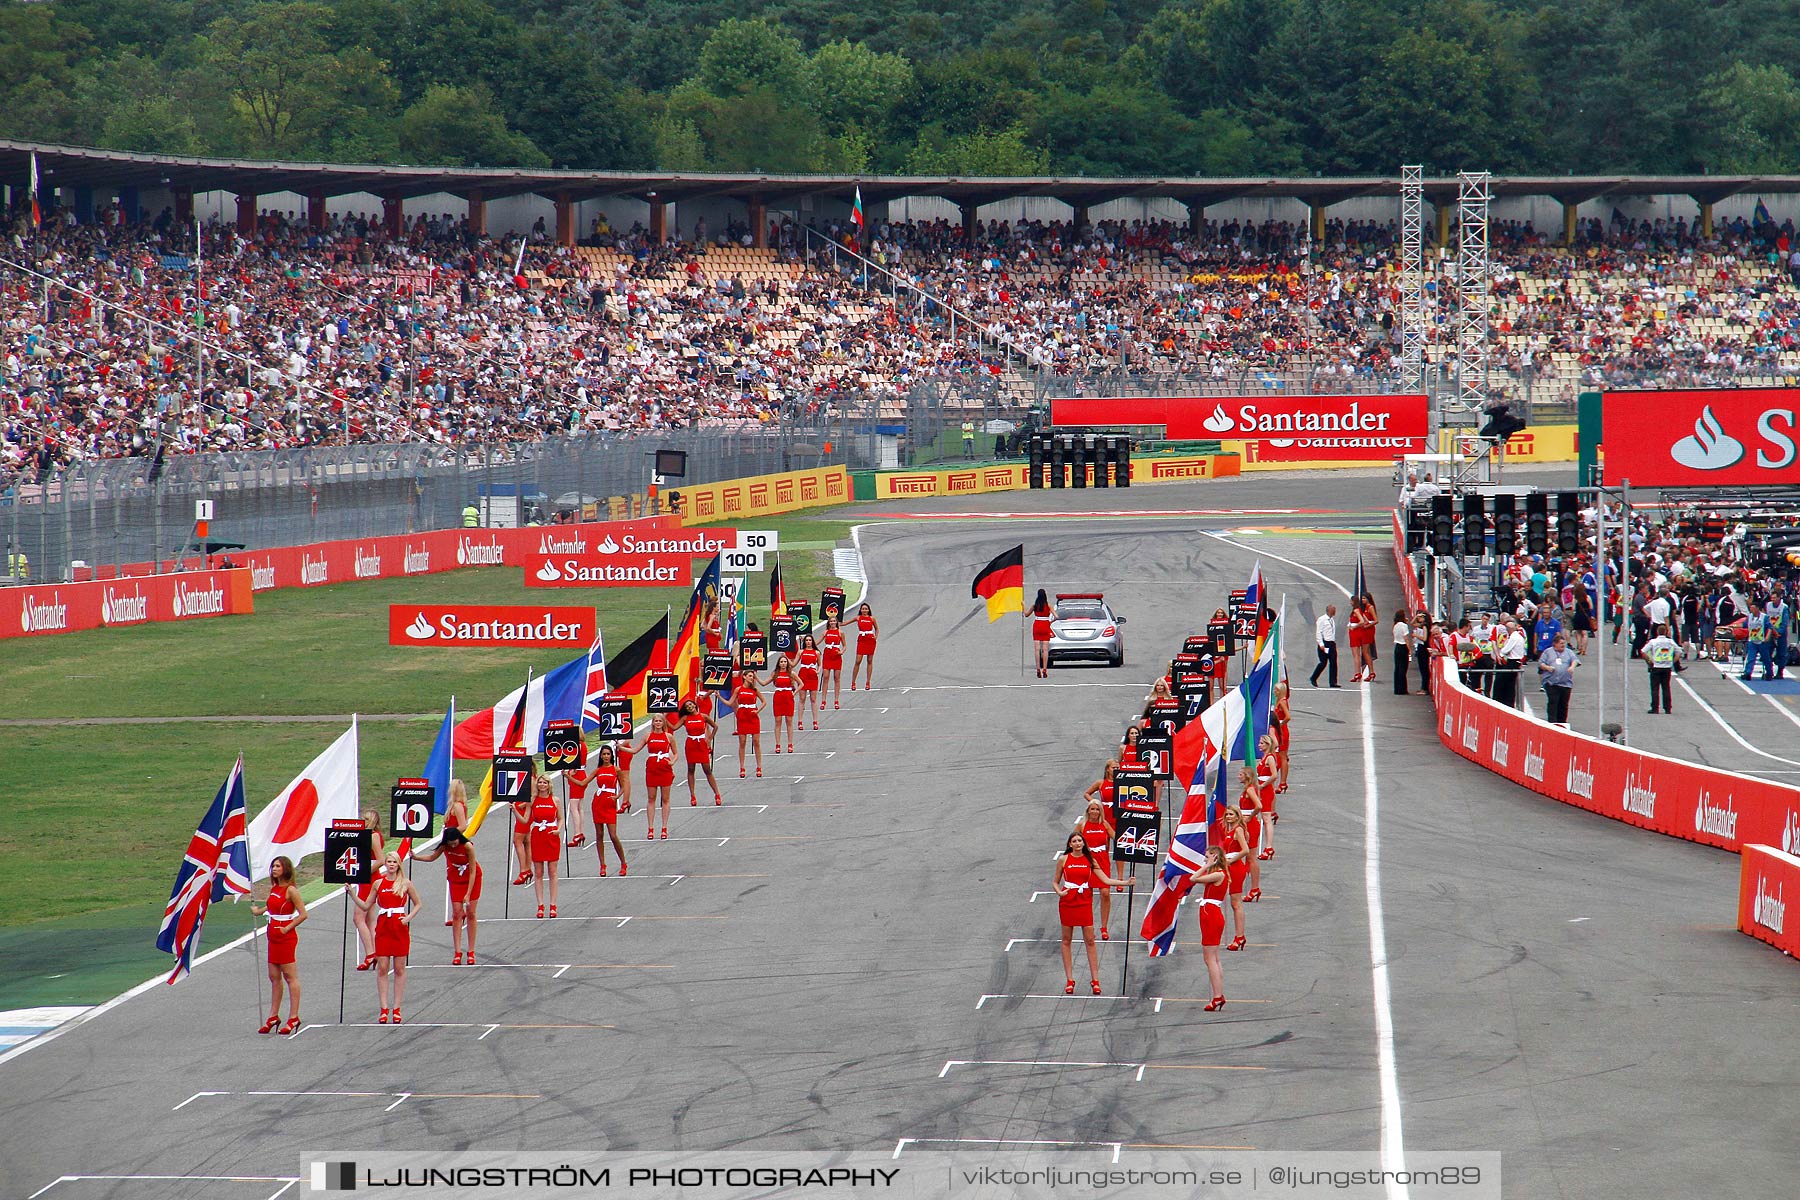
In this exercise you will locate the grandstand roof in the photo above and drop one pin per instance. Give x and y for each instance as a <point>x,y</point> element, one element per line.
<point>79,166</point>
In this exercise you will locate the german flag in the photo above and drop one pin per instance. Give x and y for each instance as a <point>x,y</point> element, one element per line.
<point>1002,584</point>
<point>777,591</point>
<point>628,671</point>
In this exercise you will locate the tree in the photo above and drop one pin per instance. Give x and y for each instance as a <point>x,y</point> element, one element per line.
<point>275,72</point>
<point>751,56</point>
<point>849,85</point>
<point>1754,114</point>
<point>677,144</point>
<point>1006,152</point>
<point>458,127</point>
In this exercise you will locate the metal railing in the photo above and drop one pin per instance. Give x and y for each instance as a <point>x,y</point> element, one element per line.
<point>109,511</point>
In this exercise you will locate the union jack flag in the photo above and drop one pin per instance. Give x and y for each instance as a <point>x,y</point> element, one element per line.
<point>1187,853</point>
<point>596,682</point>
<point>217,861</point>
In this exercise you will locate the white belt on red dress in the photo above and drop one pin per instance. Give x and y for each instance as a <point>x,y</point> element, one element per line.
<point>385,911</point>
<point>274,917</point>
<point>1211,901</point>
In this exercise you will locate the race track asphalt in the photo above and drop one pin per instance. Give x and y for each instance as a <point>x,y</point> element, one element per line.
<point>856,964</point>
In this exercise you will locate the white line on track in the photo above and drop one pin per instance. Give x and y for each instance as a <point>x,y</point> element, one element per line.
<point>903,1143</point>
<point>1393,1147</point>
<point>287,1181</point>
<point>1726,726</point>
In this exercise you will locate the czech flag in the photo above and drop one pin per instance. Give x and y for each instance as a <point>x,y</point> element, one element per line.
<point>1002,584</point>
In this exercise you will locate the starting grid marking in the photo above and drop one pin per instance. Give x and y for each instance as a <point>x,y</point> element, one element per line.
<point>622,921</point>
<point>1117,1148</point>
<point>1011,942</point>
<point>485,1027</point>
<point>1138,1067</point>
<point>1157,1002</point>
<point>399,1098</point>
<point>286,1181</point>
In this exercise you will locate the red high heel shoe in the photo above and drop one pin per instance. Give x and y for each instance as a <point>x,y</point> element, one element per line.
<point>1106,935</point>
<point>578,841</point>
<point>1218,1002</point>
<point>693,801</point>
<point>790,747</point>
<point>665,833</point>
<point>524,878</point>
<point>292,1027</point>
<point>553,912</point>
<point>1266,853</point>
<point>622,871</point>
<point>759,772</point>
<point>718,800</point>
<point>396,1016</point>
<point>469,961</point>
<point>269,1025</point>
<point>383,1018</point>
<point>1252,896</point>
<point>540,915</point>
<point>366,963</point>
<point>1096,984</point>
<point>741,773</point>
<point>457,960</point>
<point>1069,988</point>
<point>603,870</point>
<point>1237,943</point>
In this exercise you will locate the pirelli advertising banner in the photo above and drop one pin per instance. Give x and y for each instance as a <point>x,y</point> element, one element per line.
<point>1727,437</point>
<point>765,495</point>
<point>972,481</point>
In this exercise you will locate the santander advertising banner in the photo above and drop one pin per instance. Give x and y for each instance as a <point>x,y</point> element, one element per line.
<point>633,559</point>
<point>1768,879</point>
<point>1378,426</point>
<point>459,625</point>
<point>67,607</point>
<point>1707,438</point>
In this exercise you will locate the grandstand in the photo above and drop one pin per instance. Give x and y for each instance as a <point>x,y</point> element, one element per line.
<point>341,327</point>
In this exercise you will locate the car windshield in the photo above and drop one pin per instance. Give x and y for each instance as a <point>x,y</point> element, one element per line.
<point>1080,610</point>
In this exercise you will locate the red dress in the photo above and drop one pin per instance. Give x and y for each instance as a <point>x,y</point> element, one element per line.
<point>464,874</point>
<point>659,761</point>
<point>606,796</point>
<point>1266,774</point>
<point>1106,800</point>
<point>283,937</point>
<point>1252,823</point>
<point>546,830</point>
<point>1240,869</point>
<point>698,749</point>
<point>865,634</point>
<point>1040,626</point>
<point>1212,912</point>
<point>1098,846</point>
<point>393,938</point>
<point>1076,908</point>
<point>783,684</point>
<point>749,720</point>
<point>809,670</point>
<point>1280,721</point>
<point>833,646</point>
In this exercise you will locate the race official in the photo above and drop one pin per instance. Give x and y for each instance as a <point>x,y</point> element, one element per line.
<point>1660,655</point>
<point>1325,638</point>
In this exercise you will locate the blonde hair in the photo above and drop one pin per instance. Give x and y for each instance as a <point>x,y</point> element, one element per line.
<point>459,793</point>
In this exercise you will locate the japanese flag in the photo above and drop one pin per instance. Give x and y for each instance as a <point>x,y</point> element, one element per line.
<point>294,823</point>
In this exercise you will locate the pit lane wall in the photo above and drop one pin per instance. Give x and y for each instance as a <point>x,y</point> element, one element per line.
<point>1747,816</point>
<point>1769,879</point>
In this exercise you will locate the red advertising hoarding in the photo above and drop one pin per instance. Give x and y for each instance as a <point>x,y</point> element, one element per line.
<point>459,625</point>
<point>1288,419</point>
<point>1768,879</point>
<point>607,570</point>
<point>1332,449</point>
<point>67,607</point>
<point>1706,438</point>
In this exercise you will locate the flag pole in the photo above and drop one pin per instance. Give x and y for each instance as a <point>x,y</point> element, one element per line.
<point>1130,895</point>
<point>344,955</point>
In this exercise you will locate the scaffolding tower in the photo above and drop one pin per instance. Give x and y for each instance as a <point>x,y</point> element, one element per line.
<point>1412,278</point>
<point>1474,278</point>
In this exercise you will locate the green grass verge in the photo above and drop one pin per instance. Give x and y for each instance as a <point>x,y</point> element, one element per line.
<point>99,814</point>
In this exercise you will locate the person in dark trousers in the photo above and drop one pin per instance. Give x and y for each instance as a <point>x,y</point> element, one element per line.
<point>1403,650</point>
<point>1325,636</point>
<point>1661,653</point>
<point>1555,667</point>
<point>1422,649</point>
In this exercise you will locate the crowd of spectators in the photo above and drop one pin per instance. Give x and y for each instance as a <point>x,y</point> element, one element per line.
<point>344,334</point>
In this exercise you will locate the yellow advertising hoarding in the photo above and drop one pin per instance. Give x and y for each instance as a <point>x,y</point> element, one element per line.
<point>765,495</point>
